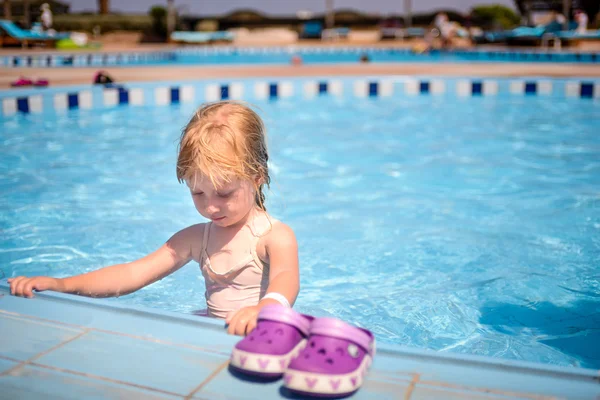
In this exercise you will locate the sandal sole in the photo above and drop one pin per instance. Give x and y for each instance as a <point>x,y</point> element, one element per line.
<point>264,364</point>
<point>326,385</point>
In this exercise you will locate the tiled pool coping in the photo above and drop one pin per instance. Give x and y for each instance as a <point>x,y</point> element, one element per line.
<point>65,346</point>
<point>60,99</point>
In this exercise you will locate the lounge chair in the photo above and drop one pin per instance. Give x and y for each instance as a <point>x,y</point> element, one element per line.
<point>312,30</point>
<point>201,37</point>
<point>524,33</point>
<point>11,33</point>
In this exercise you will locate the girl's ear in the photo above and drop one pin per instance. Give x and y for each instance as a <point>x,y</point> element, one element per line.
<point>258,180</point>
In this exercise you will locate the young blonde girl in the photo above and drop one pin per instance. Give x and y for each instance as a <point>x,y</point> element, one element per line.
<point>248,259</point>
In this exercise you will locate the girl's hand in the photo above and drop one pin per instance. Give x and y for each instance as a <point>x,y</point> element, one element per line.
<point>242,321</point>
<point>24,287</point>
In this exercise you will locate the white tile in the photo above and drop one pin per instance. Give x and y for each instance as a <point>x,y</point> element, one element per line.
<point>361,88</point>
<point>85,99</point>
<point>412,87</point>
<point>35,103</point>
<point>544,87</point>
<point>437,87</point>
<point>110,97</point>
<point>572,89</point>
<point>464,88</point>
<point>61,101</point>
<point>9,106</point>
<point>311,88</point>
<point>386,87</point>
<point>517,87</point>
<point>490,88</point>
<point>162,96</point>
<point>261,90</point>
<point>236,91</point>
<point>335,88</point>
<point>186,94</point>
<point>286,89</point>
<point>212,92</point>
<point>136,96</point>
<point>597,90</point>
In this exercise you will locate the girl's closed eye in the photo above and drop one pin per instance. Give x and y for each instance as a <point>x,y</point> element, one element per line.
<point>197,193</point>
<point>225,195</point>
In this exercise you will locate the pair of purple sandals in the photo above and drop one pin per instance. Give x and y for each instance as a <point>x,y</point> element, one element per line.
<point>322,357</point>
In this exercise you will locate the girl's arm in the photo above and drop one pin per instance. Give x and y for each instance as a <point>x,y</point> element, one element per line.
<point>284,278</point>
<point>120,279</point>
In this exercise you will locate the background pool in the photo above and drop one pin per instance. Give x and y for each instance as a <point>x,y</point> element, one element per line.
<point>469,225</point>
<point>230,55</point>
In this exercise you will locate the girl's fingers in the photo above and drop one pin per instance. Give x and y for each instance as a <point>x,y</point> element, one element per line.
<point>233,324</point>
<point>251,325</point>
<point>230,315</point>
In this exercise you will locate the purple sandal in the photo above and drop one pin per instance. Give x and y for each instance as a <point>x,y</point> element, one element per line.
<point>279,336</point>
<point>334,361</point>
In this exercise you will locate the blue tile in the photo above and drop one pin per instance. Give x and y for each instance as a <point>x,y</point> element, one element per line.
<point>229,384</point>
<point>73,100</point>
<point>224,92</point>
<point>6,365</point>
<point>23,104</point>
<point>202,332</point>
<point>140,362</point>
<point>123,96</point>
<point>587,90</point>
<point>373,88</point>
<point>23,338</point>
<point>174,95</point>
<point>424,87</point>
<point>476,88</point>
<point>322,87</point>
<point>34,382</point>
<point>530,88</point>
<point>273,90</point>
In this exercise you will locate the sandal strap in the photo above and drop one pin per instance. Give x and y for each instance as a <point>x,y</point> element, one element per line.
<point>279,313</point>
<point>334,327</point>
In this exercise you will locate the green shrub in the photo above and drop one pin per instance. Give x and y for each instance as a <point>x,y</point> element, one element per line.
<point>495,16</point>
<point>107,23</point>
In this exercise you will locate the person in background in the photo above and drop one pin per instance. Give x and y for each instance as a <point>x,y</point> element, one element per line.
<point>582,21</point>
<point>46,16</point>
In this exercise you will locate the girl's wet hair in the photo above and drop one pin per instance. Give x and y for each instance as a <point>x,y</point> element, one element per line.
<point>223,141</point>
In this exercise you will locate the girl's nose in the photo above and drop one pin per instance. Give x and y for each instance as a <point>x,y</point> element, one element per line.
<point>212,208</point>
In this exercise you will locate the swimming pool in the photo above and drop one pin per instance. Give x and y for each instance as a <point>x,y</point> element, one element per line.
<point>462,224</point>
<point>231,55</point>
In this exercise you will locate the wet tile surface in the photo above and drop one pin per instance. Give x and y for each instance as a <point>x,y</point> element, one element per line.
<point>169,368</point>
<point>23,338</point>
<point>87,349</point>
<point>42,383</point>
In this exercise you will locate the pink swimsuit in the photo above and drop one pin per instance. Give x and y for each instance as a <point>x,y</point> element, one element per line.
<point>245,283</point>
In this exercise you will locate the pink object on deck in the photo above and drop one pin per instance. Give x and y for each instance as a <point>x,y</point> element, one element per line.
<point>21,82</point>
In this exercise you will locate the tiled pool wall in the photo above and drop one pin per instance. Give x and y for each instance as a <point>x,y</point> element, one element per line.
<point>60,99</point>
<point>97,59</point>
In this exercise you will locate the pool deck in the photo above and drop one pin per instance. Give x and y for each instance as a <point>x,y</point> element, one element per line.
<point>62,346</point>
<point>74,76</point>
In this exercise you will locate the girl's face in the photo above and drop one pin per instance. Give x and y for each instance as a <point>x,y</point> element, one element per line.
<point>225,205</point>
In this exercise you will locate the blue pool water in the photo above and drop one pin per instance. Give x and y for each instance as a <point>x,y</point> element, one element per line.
<point>309,55</point>
<point>462,225</point>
